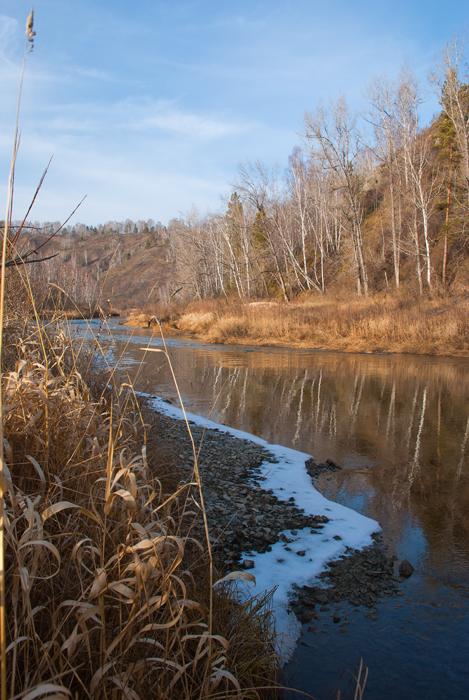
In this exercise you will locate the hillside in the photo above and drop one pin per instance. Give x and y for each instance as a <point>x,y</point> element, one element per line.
<point>128,269</point>
<point>354,212</point>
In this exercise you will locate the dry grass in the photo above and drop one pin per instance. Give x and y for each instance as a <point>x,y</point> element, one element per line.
<point>198,322</point>
<point>386,324</point>
<point>107,591</point>
<point>139,318</point>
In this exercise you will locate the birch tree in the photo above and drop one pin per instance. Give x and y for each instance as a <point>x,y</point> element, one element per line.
<point>338,141</point>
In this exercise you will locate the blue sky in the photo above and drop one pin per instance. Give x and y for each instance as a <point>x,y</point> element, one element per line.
<point>150,106</point>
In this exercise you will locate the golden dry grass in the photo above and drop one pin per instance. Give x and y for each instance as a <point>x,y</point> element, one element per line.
<point>108,593</point>
<point>373,324</point>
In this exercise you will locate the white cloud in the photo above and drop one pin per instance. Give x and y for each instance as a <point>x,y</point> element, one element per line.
<point>189,124</point>
<point>138,115</point>
<point>8,33</point>
<point>93,73</point>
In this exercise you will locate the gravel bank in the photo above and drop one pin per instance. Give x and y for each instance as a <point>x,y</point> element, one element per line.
<point>243,517</point>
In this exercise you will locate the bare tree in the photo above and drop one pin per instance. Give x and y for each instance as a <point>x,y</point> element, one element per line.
<point>388,143</point>
<point>338,141</point>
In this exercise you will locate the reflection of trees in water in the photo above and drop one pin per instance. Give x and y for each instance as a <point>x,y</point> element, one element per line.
<point>400,410</point>
<point>463,449</point>
<point>414,465</point>
<point>404,416</point>
<point>384,411</point>
<point>413,426</point>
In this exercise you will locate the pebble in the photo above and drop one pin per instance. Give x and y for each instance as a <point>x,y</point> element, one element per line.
<point>360,577</point>
<point>405,569</point>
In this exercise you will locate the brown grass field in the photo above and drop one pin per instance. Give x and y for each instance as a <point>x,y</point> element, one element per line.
<point>358,324</point>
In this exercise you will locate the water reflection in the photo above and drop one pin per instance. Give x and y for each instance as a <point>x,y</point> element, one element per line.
<point>398,425</point>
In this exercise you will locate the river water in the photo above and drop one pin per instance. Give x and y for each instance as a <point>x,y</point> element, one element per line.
<point>398,425</point>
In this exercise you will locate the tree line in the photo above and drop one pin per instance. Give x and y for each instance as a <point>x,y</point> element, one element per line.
<point>366,203</point>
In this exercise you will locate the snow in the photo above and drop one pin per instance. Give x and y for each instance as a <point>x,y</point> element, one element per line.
<point>281,568</point>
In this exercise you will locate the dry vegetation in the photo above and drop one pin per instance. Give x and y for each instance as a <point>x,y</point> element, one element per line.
<point>379,323</point>
<point>108,591</point>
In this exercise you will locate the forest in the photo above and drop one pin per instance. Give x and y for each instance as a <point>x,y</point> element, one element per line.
<point>364,205</point>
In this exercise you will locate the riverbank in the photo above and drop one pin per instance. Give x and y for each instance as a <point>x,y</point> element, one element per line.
<point>437,326</point>
<point>397,426</point>
<point>106,559</point>
<point>266,531</point>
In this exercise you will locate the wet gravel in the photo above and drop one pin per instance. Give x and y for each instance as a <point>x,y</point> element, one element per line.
<point>243,517</point>
<point>360,577</point>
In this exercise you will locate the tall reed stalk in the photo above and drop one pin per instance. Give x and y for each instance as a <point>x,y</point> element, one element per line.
<point>5,241</point>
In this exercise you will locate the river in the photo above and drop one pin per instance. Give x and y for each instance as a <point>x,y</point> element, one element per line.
<point>398,425</point>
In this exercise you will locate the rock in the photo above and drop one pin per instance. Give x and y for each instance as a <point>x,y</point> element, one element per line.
<point>320,518</point>
<point>405,569</point>
<point>321,596</point>
<point>316,469</point>
<point>248,564</point>
<point>305,615</point>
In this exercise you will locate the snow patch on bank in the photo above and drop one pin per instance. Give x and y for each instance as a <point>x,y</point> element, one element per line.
<point>300,561</point>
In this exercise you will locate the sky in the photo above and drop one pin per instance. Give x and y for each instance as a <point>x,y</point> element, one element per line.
<point>149,107</point>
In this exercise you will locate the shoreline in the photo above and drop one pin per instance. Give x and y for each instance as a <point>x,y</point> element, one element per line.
<point>171,330</point>
<point>266,517</point>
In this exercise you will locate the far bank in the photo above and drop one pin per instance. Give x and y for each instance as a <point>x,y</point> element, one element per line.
<point>437,326</point>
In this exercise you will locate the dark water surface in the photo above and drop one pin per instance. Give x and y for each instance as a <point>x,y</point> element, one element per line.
<point>399,427</point>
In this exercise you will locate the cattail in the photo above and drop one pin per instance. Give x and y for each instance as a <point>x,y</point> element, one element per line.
<point>30,33</point>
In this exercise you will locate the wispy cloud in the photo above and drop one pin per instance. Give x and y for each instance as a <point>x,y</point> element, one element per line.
<point>8,33</point>
<point>168,117</point>
<point>139,115</point>
<point>93,73</point>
